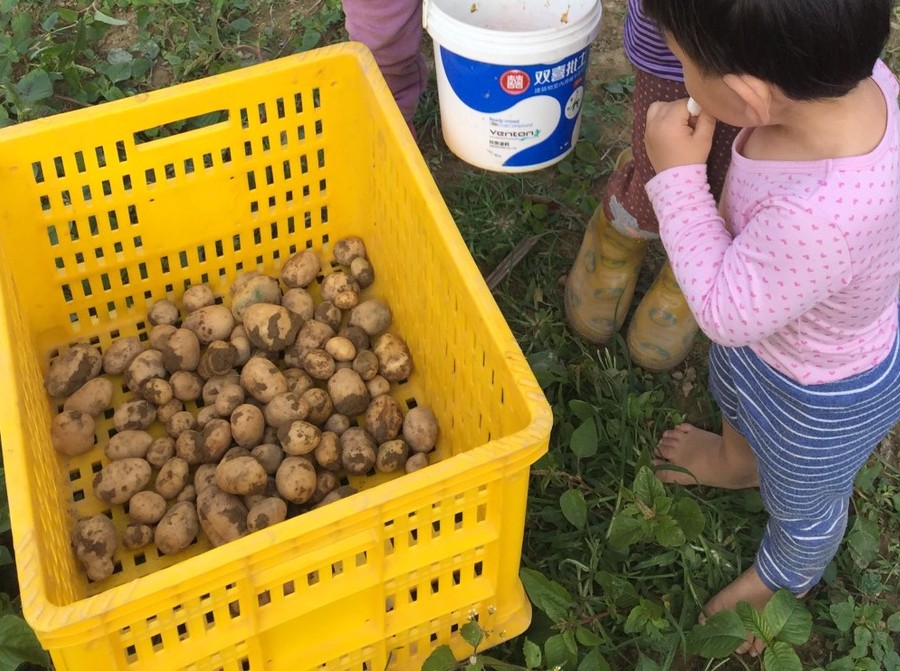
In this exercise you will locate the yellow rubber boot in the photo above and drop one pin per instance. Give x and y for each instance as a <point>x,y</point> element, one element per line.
<point>662,328</point>
<point>601,283</point>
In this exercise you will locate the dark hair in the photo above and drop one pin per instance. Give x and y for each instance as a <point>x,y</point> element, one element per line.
<point>810,49</point>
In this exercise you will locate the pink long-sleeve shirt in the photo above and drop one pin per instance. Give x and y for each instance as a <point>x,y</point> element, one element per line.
<point>803,262</point>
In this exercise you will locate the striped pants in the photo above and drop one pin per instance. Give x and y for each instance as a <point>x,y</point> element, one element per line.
<point>809,442</point>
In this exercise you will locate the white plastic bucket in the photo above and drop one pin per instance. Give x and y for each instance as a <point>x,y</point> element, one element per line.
<point>510,77</point>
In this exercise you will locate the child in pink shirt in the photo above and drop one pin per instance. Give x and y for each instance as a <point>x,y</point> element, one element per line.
<point>795,275</point>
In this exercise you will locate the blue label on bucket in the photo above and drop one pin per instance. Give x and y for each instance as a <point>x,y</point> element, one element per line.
<point>531,112</point>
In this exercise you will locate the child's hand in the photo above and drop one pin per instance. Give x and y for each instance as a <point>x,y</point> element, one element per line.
<point>673,137</point>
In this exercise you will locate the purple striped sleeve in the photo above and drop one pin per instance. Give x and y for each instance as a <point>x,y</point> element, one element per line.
<point>646,48</point>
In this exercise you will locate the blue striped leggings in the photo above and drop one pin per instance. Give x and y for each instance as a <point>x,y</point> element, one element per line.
<point>809,442</point>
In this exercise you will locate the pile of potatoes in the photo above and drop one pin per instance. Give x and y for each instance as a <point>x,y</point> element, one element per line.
<point>291,393</point>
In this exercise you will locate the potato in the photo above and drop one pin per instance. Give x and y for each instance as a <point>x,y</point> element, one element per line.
<point>229,397</point>
<point>348,392</point>
<point>247,425</point>
<point>420,429</point>
<point>119,480</point>
<point>346,300</point>
<point>328,313</point>
<point>138,414</point>
<point>372,316</point>
<point>241,475</point>
<point>328,451</point>
<point>205,415</point>
<point>337,283</point>
<point>204,477</point>
<point>357,451</point>
<point>177,529</point>
<point>319,364</point>
<point>340,348</point>
<point>160,334</point>
<point>270,510</point>
<point>147,507</point>
<point>320,405</point>
<point>312,335</point>
<point>271,327</point>
<point>243,349</point>
<point>269,455</point>
<point>181,351</point>
<point>173,475</point>
<point>357,336</point>
<point>223,516</point>
<point>416,462</point>
<point>146,365</point>
<point>362,271</point>
<point>296,479</point>
<point>349,248</point>
<point>301,269</point>
<point>94,541</point>
<point>337,423</point>
<point>71,369</point>
<point>91,398</point>
<point>366,364</point>
<point>157,391</point>
<point>298,380</point>
<point>384,418</point>
<point>163,312</point>
<point>284,409</point>
<point>234,453</point>
<point>160,451</point>
<point>241,280</point>
<point>189,446</point>
<point>128,444</point>
<point>120,354</point>
<point>378,386</point>
<point>257,289</point>
<point>180,422</point>
<point>216,437</point>
<point>186,386</point>
<point>394,360</point>
<point>299,301</point>
<point>136,536</point>
<point>197,296</point>
<point>391,456</point>
<point>189,493</point>
<point>213,322</point>
<point>262,379</point>
<point>214,385</point>
<point>72,432</point>
<point>298,437</point>
<point>165,412</point>
<point>326,482</point>
<point>218,359</point>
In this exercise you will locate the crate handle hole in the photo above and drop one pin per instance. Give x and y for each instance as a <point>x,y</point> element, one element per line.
<point>181,126</point>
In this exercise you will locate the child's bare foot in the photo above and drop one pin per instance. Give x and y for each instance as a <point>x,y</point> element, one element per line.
<point>748,587</point>
<point>712,460</point>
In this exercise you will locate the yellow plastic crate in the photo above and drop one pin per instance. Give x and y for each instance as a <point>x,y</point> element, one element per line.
<point>97,222</point>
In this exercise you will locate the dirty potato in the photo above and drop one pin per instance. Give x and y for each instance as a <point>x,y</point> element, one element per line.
<point>312,335</point>
<point>318,364</point>
<point>340,348</point>
<point>262,379</point>
<point>181,351</point>
<point>299,437</point>
<point>218,359</point>
<point>300,302</point>
<point>269,455</point>
<point>284,409</point>
<point>384,418</point>
<point>186,386</point>
<point>301,269</point>
<point>136,536</point>
<point>71,369</point>
<point>159,334</point>
<point>266,512</point>
<point>391,456</point>
<point>177,529</point>
<point>213,322</point>
<point>119,480</point>
<point>173,475</point>
<point>161,449</point>
<point>366,364</point>
<point>223,516</point>
<point>296,479</point>
<point>271,327</point>
<point>95,541</point>
<point>357,451</point>
<point>328,452</point>
<point>197,296</point>
<point>362,271</point>
<point>216,438</point>
<point>163,312</point>
<point>138,414</point>
<point>394,360</point>
<point>337,423</point>
<point>247,425</point>
<point>257,289</point>
<point>121,353</point>
<point>242,475</point>
<point>145,366</point>
<point>128,444</point>
<point>349,248</point>
<point>348,392</point>
<point>320,405</point>
<point>157,391</point>
<point>420,429</point>
<point>147,507</point>
<point>91,398</point>
<point>416,462</point>
<point>72,432</point>
<point>372,316</point>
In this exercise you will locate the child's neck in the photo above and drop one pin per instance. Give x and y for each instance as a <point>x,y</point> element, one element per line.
<point>852,125</point>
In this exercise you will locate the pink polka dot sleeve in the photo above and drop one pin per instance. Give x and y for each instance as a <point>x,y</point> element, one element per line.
<point>743,288</point>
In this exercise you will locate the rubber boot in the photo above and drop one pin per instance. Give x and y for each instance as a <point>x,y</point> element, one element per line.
<point>601,283</point>
<point>662,328</point>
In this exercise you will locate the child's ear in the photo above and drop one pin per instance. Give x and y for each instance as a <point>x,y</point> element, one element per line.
<point>756,94</point>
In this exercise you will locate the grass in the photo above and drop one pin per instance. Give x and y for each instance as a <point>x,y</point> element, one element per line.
<point>617,565</point>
